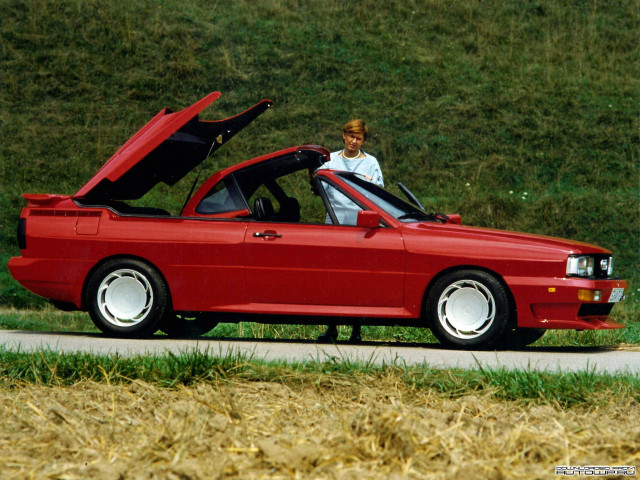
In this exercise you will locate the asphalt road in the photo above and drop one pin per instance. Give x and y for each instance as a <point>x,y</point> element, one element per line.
<point>556,359</point>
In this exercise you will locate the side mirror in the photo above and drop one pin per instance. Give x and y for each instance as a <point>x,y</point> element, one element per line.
<point>368,219</point>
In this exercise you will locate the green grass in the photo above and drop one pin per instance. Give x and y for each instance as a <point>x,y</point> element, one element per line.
<point>47,319</point>
<point>188,368</point>
<point>471,103</point>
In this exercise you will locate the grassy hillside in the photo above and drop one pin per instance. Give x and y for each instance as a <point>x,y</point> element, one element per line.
<point>518,115</point>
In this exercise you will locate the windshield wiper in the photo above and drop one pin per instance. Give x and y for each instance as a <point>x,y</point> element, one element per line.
<point>418,216</point>
<point>443,217</point>
<point>427,216</point>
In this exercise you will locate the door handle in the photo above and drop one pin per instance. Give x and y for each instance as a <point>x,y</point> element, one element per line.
<point>267,234</point>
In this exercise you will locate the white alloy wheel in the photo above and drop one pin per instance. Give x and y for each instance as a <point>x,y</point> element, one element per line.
<point>466,309</point>
<point>125,297</point>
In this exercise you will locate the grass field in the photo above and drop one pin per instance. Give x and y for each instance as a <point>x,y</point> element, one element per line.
<point>197,416</point>
<point>334,429</point>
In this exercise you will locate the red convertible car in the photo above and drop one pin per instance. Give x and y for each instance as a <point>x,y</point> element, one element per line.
<point>260,241</point>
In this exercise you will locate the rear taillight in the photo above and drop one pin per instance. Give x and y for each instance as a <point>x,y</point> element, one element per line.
<point>22,233</point>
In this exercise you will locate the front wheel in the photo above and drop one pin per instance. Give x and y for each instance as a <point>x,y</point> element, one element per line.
<point>126,298</point>
<point>468,309</point>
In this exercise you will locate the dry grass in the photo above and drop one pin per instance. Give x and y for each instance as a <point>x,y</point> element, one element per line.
<point>314,427</point>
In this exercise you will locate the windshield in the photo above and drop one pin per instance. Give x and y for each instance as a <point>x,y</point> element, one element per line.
<point>394,206</point>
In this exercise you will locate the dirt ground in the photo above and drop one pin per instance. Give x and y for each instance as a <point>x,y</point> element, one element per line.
<point>330,429</point>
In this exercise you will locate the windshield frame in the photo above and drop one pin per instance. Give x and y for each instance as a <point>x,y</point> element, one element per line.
<point>397,208</point>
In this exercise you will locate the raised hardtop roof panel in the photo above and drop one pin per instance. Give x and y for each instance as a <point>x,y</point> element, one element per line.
<point>165,150</point>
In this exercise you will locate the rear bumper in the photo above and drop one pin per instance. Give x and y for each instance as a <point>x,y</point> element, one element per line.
<point>36,276</point>
<point>554,303</point>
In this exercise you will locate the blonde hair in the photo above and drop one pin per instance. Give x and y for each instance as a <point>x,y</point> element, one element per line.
<point>356,126</point>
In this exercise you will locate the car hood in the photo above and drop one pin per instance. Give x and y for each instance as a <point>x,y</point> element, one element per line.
<point>502,242</point>
<point>168,147</point>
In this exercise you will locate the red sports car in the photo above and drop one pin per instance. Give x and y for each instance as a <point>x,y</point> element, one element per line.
<point>260,241</point>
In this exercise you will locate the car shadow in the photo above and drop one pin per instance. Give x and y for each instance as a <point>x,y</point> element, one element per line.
<point>341,343</point>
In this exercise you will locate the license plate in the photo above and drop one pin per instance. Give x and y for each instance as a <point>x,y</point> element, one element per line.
<point>616,295</point>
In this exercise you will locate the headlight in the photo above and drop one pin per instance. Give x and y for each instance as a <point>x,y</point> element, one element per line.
<point>580,266</point>
<point>598,265</point>
<point>610,267</point>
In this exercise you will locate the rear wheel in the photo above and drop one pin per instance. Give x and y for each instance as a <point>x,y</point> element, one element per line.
<point>186,326</point>
<point>468,309</point>
<point>126,298</point>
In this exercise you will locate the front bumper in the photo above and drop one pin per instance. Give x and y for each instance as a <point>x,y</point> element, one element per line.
<point>554,303</point>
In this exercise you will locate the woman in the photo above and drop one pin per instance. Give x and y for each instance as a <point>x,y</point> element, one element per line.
<point>351,158</point>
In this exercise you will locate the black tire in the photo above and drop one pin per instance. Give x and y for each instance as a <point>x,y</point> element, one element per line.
<point>185,326</point>
<point>468,309</point>
<point>126,298</point>
<point>514,338</point>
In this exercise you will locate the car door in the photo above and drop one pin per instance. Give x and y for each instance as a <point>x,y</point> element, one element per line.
<point>203,262</point>
<point>324,264</point>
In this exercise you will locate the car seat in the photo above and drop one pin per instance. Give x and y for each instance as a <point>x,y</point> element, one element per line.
<point>263,209</point>
<point>289,210</point>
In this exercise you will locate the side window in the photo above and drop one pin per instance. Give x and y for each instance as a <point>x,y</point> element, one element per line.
<point>223,197</point>
<point>345,209</point>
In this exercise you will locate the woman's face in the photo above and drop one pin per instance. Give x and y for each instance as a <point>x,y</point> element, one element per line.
<point>353,142</point>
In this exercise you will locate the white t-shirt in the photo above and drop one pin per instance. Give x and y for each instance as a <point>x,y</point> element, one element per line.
<point>365,165</point>
<point>346,211</point>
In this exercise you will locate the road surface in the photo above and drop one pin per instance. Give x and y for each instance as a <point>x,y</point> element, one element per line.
<point>550,359</point>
